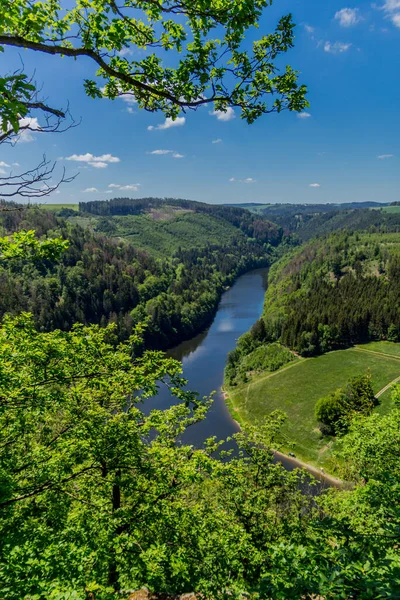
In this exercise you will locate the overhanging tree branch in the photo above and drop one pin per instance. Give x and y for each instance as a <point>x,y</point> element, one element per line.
<point>33,183</point>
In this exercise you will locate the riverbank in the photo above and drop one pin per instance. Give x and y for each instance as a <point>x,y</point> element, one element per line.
<point>229,281</point>
<point>289,462</point>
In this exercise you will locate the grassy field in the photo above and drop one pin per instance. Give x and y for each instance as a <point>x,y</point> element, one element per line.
<point>55,207</point>
<point>391,209</point>
<point>381,347</point>
<point>296,388</point>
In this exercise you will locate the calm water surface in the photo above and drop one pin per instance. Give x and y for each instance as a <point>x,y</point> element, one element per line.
<point>204,356</point>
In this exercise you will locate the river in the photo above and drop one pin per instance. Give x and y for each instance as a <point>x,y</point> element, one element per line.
<point>204,358</point>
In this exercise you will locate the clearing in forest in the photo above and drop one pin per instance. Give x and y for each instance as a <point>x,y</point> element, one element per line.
<point>295,390</point>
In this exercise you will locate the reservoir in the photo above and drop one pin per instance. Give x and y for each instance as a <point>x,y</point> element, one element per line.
<point>204,356</point>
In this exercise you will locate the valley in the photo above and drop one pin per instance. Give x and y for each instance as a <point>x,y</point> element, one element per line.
<point>272,368</point>
<point>199,398</point>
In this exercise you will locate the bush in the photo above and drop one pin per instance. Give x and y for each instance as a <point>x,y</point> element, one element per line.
<point>336,410</point>
<point>331,411</point>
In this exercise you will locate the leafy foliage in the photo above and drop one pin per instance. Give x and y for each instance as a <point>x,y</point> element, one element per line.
<point>211,61</point>
<point>97,495</point>
<point>336,411</point>
<point>23,245</point>
<point>253,354</point>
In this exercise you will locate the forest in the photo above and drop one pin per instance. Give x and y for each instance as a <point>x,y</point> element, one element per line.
<point>104,280</point>
<point>253,226</point>
<point>335,292</point>
<point>329,294</point>
<point>306,221</point>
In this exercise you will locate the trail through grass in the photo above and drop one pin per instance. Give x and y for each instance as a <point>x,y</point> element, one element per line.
<point>296,388</point>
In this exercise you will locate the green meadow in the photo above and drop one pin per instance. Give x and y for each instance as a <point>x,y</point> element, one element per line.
<point>56,207</point>
<point>296,388</point>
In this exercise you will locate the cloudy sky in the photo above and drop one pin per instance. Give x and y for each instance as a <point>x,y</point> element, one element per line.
<point>346,147</point>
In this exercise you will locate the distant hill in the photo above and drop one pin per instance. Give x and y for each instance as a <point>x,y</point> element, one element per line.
<point>312,220</point>
<point>335,291</point>
<point>162,226</point>
<point>280,208</point>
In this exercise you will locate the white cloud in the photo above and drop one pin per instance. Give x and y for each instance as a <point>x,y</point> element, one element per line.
<point>3,172</point>
<point>174,153</point>
<point>217,141</point>
<point>90,190</point>
<point>128,98</point>
<point>134,187</point>
<point>383,156</point>
<point>221,115</point>
<point>3,164</point>
<point>308,28</point>
<point>26,125</point>
<point>30,122</point>
<point>125,52</point>
<point>392,10</point>
<point>98,162</point>
<point>160,152</point>
<point>16,164</point>
<point>348,17</point>
<point>168,123</point>
<point>98,165</point>
<point>130,110</point>
<point>303,115</point>
<point>336,47</point>
<point>247,180</point>
<point>315,185</point>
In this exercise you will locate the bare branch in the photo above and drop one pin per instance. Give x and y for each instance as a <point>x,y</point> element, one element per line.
<point>34,183</point>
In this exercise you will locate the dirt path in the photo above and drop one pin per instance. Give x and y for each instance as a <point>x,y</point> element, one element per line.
<point>389,385</point>
<point>317,473</point>
<point>376,353</point>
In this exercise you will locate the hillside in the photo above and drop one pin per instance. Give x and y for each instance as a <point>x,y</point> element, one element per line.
<point>331,313</point>
<point>165,225</point>
<point>168,268</point>
<point>334,292</point>
<point>297,387</point>
<point>307,221</point>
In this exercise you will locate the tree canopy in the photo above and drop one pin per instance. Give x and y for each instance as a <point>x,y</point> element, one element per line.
<point>191,53</point>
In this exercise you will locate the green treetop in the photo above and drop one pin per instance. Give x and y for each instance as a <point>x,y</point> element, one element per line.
<point>191,53</point>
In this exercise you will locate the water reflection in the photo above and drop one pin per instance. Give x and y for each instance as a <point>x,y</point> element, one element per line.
<point>204,356</point>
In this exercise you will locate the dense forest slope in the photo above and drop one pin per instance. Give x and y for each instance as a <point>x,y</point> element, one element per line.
<point>334,292</point>
<point>174,285</point>
<point>307,221</point>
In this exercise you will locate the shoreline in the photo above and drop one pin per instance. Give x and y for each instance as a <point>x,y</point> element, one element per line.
<point>293,461</point>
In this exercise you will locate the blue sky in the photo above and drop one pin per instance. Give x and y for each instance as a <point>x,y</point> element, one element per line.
<point>348,56</point>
